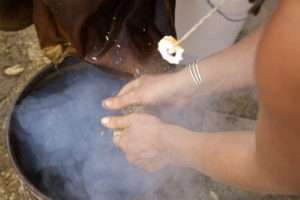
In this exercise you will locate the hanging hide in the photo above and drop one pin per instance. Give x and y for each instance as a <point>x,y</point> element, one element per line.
<point>118,34</point>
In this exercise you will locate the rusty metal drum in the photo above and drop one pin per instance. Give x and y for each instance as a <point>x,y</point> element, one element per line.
<point>55,141</point>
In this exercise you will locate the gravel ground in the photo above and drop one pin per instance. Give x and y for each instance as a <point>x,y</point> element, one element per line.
<point>17,48</point>
<point>22,49</point>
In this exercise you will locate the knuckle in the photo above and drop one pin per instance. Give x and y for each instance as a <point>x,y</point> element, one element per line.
<point>121,101</point>
<point>129,98</point>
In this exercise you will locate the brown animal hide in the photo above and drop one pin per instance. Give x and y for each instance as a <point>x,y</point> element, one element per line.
<point>118,34</point>
<point>121,35</point>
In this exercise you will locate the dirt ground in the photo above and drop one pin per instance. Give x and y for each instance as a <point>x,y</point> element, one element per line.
<point>15,48</point>
<point>21,48</point>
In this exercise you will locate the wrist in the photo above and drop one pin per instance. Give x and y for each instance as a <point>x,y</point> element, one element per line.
<point>202,76</point>
<point>167,143</point>
<point>172,140</point>
<point>185,81</point>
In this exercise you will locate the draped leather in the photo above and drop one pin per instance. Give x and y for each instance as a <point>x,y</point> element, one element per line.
<point>117,34</point>
<point>121,35</point>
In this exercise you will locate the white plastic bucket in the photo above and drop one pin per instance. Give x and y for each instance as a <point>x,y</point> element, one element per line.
<point>217,33</point>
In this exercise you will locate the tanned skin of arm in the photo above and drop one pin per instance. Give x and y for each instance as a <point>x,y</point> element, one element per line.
<point>267,160</point>
<point>278,83</point>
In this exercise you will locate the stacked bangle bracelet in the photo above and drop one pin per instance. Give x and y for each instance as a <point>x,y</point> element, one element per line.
<point>195,72</point>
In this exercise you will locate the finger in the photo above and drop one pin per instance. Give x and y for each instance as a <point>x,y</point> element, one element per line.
<point>116,122</point>
<point>130,86</point>
<point>119,102</point>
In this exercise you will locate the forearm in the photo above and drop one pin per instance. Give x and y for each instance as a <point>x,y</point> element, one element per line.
<point>230,158</point>
<point>229,69</point>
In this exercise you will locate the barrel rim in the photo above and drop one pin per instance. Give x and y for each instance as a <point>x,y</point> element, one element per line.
<point>27,88</point>
<point>38,76</point>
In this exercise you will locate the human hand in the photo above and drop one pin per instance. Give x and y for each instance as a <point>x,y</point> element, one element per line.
<point>168,90</point>
<point>142,137</point>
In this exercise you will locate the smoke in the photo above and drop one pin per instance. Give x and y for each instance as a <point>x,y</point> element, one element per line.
<point>65,152</point>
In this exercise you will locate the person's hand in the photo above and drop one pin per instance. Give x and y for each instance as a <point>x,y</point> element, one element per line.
<point>168,90</point>
<point>142,137</point>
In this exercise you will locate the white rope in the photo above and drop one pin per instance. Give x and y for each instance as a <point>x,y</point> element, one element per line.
<point>202,20</point>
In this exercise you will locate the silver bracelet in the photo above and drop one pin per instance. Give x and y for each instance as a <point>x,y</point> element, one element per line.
<point>195,72</point>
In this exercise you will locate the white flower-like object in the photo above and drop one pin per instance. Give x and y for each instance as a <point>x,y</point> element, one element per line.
<point>170,50</point>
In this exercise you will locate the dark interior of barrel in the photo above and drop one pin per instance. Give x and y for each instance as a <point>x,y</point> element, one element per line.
<point>85,164</point>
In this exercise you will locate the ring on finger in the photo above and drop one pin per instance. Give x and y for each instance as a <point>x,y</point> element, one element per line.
<point>117,133</point>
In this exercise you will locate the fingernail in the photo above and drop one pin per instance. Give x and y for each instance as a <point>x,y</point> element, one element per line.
<point>105,120</point>
<point>106,103</point>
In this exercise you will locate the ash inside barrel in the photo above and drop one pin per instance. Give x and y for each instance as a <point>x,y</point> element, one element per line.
<point>62,152</point>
